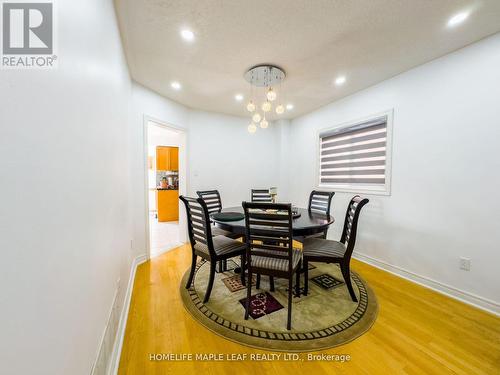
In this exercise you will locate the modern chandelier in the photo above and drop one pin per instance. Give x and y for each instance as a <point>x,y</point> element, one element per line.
<point>265,82</point>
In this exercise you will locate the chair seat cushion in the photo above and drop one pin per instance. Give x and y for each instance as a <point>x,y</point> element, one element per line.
<point>319,247</point>
<point>222,246</point>
<point>277,264</point>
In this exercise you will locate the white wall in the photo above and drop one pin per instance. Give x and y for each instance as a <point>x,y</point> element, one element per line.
<point>445,178</point>
<point>224,156</point>
<point>65,219</point>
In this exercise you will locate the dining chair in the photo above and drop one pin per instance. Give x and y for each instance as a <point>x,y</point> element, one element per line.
<point>269,247</point>
<point>212,249</point>
<point>319,204</point>
<point>329,251</point>
<point>214,204</point>
<point>261,196</point>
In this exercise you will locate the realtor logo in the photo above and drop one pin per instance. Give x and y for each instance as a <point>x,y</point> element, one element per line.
<point>28,35</point>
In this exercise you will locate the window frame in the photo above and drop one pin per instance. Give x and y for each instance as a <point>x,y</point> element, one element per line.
<point>359,188</point>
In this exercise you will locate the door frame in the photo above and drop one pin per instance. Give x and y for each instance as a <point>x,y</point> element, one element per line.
<point>183,176</point>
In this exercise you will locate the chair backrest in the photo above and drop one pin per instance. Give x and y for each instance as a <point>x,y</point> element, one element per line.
<point>261,196</point>
<point>348,237</point>
<point>212,199</point>
<point>198,220</point>
<point>269,230</point>
<point>319,201</point>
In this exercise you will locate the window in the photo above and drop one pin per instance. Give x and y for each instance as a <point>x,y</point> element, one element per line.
<point>356,156</point>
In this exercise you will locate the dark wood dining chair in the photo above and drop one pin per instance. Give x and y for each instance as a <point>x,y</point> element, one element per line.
<point>269,247</point>
<point>329,251</point>
<point>214,204</point>
<point>212,249</point>
<point>261,196</point>
<point>319,204</point>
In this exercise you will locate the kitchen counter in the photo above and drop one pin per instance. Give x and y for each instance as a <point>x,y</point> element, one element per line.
<point>167,188</point>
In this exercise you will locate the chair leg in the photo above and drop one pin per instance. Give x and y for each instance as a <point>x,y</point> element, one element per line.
<point>191,273</point>
<point>257,284</point>
<point>249,293</point>
<point>306,277</point>
<point>271,283</point>
<point>290,286</point>
<point>242,275</point>
<point>344,267</point>
<point>297,281</point>
<point>210,282</point>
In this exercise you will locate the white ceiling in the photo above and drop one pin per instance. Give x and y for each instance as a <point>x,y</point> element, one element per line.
<point>314,41</point>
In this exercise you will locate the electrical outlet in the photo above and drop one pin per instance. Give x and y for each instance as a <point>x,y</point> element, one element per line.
<point>465,263</point>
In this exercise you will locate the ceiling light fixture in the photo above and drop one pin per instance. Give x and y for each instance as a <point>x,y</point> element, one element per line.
<point>340,80</point>
<point>252,128</point>
<point>176,85</point>
<point>289,107</point>
<point>458,19</point>
<point>264,79</point>
<point>187,35</point>
<point>250,106</point>
<point>256,117</point>
<point>238,97</point>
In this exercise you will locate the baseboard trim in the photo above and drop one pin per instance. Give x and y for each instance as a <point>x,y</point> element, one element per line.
<point>99,365</point>
<point>466,297</point>
<point>120,334</point>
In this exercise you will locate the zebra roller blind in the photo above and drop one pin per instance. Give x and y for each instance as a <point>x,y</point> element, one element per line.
<point>354,155</point>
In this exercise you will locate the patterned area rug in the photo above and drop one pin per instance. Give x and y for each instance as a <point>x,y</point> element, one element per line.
<point>325,318</point>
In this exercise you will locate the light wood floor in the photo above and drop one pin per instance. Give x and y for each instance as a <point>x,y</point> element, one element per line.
<point>417,331</point>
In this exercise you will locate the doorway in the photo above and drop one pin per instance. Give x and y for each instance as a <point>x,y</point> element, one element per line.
<point>165,181</point>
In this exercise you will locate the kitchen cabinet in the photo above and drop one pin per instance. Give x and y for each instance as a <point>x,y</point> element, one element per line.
<point>168,205</point>
<point>167,158</point>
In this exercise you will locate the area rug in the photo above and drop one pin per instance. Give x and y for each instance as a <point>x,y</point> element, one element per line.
<point>325,318</point>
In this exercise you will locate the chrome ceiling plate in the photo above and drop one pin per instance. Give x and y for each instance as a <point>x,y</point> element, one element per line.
<point>265,75</point>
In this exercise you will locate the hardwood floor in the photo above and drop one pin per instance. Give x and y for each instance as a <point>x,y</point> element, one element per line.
<point>417,331</point>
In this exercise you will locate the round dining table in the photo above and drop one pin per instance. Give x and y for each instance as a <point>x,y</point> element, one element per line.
<point>306,224</point>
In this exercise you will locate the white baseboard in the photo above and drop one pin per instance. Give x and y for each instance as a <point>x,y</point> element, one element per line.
<point>104,349</point>
<point>466,297</point>
<point>120,334</point>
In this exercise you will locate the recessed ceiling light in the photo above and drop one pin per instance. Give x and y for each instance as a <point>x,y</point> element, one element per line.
<point>458,19</point>
<point>176,85</point>
<point>340,80</point>
<point>238,97</point>
<point>187,35</point>
<point>289,107</point>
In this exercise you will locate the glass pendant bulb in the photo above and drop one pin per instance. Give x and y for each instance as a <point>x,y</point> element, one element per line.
<point>271,94</point>
<point>280,109</point>
<point>252,128</point>
<point>264,124</point>
<point>250,106</point>
<point>266,106</point>
<point>256,118</point>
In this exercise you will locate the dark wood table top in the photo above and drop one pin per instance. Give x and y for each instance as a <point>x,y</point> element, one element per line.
<point>307,224</point>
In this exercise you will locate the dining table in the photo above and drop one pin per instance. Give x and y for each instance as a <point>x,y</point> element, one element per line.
<point>305,222</point>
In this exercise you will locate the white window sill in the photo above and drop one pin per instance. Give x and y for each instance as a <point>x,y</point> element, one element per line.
<point>370,190</point>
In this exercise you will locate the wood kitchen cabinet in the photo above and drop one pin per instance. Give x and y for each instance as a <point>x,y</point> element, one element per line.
<point>167,158</point>
<point>168,205</point>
